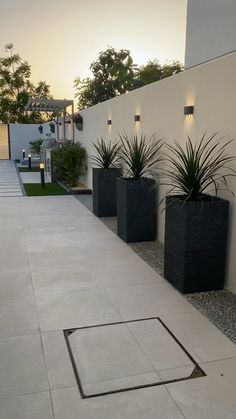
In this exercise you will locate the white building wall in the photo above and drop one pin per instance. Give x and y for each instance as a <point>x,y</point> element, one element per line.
<point>211,88</point>
<point>211,30</point>
<point>20,137</point>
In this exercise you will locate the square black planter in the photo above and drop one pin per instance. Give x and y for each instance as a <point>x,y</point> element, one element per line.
<point>104,191</point>
<point>136,209</point>
<point>195,243</point>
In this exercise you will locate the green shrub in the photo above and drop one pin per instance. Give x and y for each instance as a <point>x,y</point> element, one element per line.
<point>35,146</point>
<point>68,163</point>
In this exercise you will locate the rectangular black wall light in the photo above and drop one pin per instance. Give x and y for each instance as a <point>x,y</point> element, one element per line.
<point>109,122</point>
<point>137,118</point>
<point>188,110</point>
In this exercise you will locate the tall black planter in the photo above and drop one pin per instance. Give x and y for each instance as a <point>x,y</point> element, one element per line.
<point>195,243</point>
<point>104,191</point>
<point>136,209</point>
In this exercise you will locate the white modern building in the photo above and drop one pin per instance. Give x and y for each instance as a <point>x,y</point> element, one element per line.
<point>211,30</point>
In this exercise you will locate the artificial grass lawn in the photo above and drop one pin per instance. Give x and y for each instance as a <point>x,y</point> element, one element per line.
<point>26,169</point>
<point>35,189</point>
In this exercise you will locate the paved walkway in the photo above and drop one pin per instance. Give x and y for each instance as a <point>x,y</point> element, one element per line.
<point>62,268</point>
<point>9,180</point>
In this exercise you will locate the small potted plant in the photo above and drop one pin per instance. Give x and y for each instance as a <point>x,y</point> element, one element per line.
<point>137,191</point>
<point>104,177</point>
<point>196,223</point>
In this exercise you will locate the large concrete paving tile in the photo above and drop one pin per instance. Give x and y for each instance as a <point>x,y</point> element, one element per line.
<point>18,317</point>
<point>64,311</point>
<point>54,206</point>
<point>151,300</point>
<point>30,406</point>
<point>212,396</point>
<point>57,257</point>
<point>149,403</point>
<point>12,238</point>
<point>58,363</point>
<point>73,256</point>
<point>161,349</point>
<point>62,222</point>
<point>130,271</point>
<point>14,260</point>
<point>119,356</point>
<point>11,205</point>
<point>64,280</point>
<point>11,221</point>
<point>22,366</point>
<point>15,285</point>
<point>74,237</point>
<point>106,354</point>
<point>200,336</point>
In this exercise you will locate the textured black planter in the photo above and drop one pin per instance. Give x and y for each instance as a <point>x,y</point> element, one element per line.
<point>104,191</point>
<point>136,209</point>
<point>195,244</point>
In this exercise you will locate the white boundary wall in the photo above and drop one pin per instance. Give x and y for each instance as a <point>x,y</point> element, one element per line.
<point>20,137</point>
<point>22,134</point>
<point>211,88</point>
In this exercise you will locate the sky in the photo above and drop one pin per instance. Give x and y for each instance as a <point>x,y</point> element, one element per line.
<point>60,38</point>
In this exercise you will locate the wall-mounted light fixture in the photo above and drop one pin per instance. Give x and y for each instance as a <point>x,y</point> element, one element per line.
<point>58,123</point>
<point>188,110</point>
<point>109,122</point>
<point>68,122</point>
<point>137,118</point>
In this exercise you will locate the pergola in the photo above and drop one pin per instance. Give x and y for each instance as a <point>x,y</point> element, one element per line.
<point>54,106</point>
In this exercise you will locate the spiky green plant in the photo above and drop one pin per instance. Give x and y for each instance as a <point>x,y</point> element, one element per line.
<point>140,155</point>
<point>107,153</point>
<point>195,168</point>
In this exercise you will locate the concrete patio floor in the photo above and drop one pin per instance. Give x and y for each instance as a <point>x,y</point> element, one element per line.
<point>61,268</point>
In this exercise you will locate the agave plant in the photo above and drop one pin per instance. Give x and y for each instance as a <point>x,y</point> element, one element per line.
<point>193,169</point>
<point>107,153</point>
<point>140,156</point>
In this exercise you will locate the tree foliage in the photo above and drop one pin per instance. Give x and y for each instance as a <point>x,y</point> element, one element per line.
<point>114,73</point>
<point>16,89</point>
<point>154,71</point>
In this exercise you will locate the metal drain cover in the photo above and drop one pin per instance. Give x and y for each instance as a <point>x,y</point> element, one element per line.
<point>124,356</point>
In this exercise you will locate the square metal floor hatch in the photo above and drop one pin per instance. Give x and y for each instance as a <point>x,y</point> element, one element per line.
<point>116,357</point>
